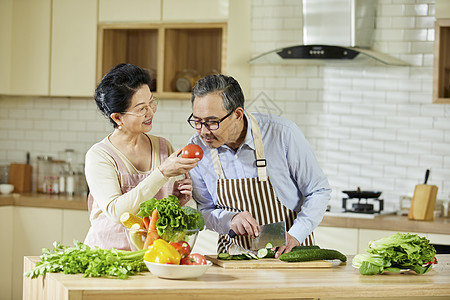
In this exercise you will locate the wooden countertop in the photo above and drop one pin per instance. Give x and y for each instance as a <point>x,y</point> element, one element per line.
<point>390,222</point>
<point>340,281</point>
<point>44,200</point>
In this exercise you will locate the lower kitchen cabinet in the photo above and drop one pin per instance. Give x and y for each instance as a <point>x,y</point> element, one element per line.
<point>75,226</point>
<point>6,251</point>
<point>351,241</point>
<point>30,230</point>
<point>343,239</point>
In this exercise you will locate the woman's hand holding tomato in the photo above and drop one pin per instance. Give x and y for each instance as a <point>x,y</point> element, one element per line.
<point>176,165</point>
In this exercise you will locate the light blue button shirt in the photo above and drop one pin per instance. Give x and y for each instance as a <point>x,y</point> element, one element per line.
<point>292,167</point>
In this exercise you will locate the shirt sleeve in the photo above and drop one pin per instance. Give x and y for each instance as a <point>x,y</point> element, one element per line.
<point>311,183</point>
<point>102,176</point>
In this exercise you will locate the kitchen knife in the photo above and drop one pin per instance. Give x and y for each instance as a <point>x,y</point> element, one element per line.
<point>274,233</point>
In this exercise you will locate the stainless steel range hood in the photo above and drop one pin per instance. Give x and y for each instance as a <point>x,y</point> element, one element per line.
<point>334,31</point>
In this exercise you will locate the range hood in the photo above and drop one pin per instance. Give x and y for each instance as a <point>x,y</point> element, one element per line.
<point>334,31</point>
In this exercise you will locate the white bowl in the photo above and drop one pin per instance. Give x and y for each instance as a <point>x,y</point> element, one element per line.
<point>6,188</point>
<point>136,238</point>
<point>177,271</point>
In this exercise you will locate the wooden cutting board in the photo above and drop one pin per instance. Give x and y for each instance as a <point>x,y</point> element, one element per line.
<point>267,263</point>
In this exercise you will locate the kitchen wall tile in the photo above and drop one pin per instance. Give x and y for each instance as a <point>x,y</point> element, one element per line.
<point>397,47</point>
<point>430,160</point>
<point>415,34</point>
<point>416,10</point>
<point>389,10</point>
<point>403,22</point>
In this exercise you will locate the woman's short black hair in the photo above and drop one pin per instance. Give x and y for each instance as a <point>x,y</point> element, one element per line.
<point>114,93</point>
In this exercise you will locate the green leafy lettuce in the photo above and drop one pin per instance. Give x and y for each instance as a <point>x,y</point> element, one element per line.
<point>173,220</point>
<point>396,252</point>
<point>92,262</point>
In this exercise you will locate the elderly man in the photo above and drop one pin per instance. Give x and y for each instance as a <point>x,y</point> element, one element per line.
<point>256,169</point>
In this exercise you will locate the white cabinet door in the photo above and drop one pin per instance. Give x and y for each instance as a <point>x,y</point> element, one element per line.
<point>439,239</point>
<point>6,8</point>
<point>6,251</point>
<point>129,10</point>
<point>196,10</point>
<point>73,54</point>
<point>75,226</point>
<point>30,47</point>
<point>33,229</point>
<point>344,240</point>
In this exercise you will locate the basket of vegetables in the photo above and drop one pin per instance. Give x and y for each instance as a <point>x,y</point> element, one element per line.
<point>162,219</point>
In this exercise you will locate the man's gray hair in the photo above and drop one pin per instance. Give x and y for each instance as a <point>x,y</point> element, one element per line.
<point>227,87</point>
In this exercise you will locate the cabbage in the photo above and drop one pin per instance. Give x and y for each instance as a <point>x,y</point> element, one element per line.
<point>396,252</point>
<point>173,220</point>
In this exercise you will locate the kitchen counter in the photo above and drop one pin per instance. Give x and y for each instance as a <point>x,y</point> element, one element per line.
<point>44,201</point>
<point>390,222</point>
<point>340,281</point>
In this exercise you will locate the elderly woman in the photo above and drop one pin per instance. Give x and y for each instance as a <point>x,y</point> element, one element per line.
<point>129,166</point>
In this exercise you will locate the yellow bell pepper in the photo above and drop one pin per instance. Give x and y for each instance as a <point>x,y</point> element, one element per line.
<point>162,252</point>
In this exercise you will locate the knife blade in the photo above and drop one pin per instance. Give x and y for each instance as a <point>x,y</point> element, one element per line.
<point>274,233</point>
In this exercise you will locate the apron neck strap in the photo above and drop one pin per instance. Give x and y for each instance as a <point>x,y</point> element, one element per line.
<point>259,151</point>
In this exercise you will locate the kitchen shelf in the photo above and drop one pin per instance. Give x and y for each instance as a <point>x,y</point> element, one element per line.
<point>165,49</point>
<point>441,76</point>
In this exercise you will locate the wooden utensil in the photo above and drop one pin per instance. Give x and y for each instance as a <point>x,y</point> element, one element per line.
<point>423,201</point>
<point>20,177</point>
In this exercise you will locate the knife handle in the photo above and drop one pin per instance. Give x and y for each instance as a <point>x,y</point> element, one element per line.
<point>427,174</point>
<point>231,233</point>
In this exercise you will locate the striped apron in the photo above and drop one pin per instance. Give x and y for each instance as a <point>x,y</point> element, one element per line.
<point>255,195</point>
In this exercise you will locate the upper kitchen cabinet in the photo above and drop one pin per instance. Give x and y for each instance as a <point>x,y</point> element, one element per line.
<point>129,10</point>
<point>442,9</point>
<point>73,48</point>
<point>49,47</point>
<point>170,51</point>
<point>441,77</point>
<point>190,39</point>
<point>30,47</point>
<point>193,11</point>
<point>5,45</point>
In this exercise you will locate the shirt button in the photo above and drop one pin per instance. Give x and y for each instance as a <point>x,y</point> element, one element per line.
<point>236,157</point>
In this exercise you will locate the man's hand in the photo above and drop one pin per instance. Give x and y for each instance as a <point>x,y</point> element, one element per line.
<point>291,242</point>
<point>243,223</point>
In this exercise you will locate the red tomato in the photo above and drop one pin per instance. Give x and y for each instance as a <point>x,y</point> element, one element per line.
<point>193,259</point>
<point>192,151</point>
<point>182,247</point>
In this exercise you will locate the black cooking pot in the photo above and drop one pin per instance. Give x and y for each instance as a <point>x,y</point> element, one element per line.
<point>362,194</point>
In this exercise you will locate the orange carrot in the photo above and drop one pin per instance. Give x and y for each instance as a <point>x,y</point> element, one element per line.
<point>146,222</point>
<point>154,218</point>
<point>152,233</point>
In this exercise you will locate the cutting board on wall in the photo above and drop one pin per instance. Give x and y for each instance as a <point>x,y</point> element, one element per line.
<point>267,263</point>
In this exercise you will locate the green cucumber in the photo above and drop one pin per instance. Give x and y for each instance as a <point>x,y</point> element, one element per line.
<point>312,254</point>
<point>297,248</point>
<point>266,253</point>
<point>224,256</point>
<point>269,245</point>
